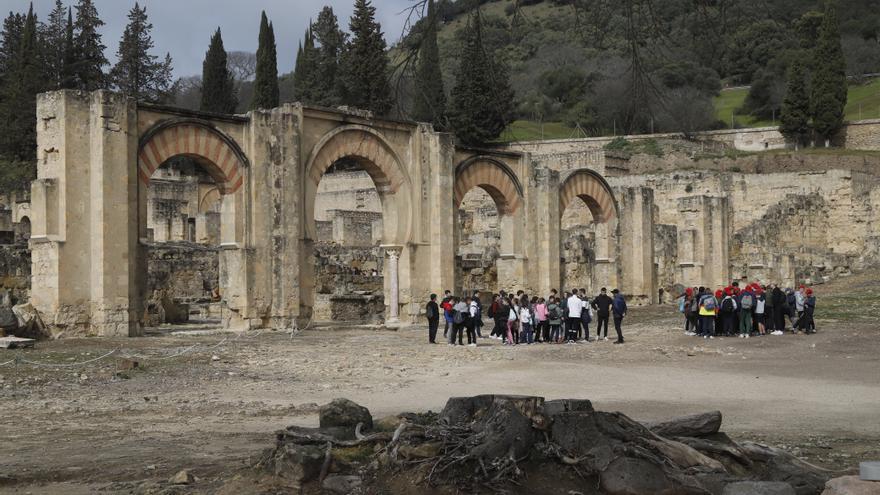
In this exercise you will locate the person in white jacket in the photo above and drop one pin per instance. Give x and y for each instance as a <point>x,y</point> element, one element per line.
<point>575,307</point>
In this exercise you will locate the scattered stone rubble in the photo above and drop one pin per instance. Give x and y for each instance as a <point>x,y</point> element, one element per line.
<point>521,444</point>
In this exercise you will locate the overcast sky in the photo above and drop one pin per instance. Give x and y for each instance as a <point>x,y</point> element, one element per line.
<point>184,27</point>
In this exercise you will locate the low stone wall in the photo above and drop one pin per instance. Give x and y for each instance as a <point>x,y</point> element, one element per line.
<point>181,277</point>
<point>15,271</point>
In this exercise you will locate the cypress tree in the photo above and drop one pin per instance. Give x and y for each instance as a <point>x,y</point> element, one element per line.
<point>305,71</point>
<point>795,115</point>
<point>68,71</point>
<point>24,79</point>
<point>54,44</point>
<point>430,97</point>
<point>10,41</point>
<point>366,63</point>
<point>218,86</point>
<point>482,100</point>
<point>331,42</point>
<point>829,78</point>
<point>138,73</point>
<point>266,91</point>
<point>89,48</point>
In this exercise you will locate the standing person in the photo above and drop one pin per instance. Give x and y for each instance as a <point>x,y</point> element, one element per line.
<point>473,322</point>
<point>563,304</point>
<point>687,300</point>
<point>432,312</point>
<point>809,311</point>
<point>778,298</point>
<point>728,312</point>
<point>760,309</point>
<point>542,331</point>
<point>695,310</point>
<point>501,312</point>
<point>575,306</point>
<point>618,307</point>
<point>746,306</point>
<point>708,305</point>
<point>602,305</point>
<point>554,317</point>
<point>512,319</point>
<point>586,315</point>
<point>769,314</point>
<point>799,298</point>
<point>478,319</point>
<point>446,305</point>
<point>459,319</point>
<point>525,322</point>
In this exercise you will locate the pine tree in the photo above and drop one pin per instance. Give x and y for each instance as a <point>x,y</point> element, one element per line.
<point>430,97</point>
<point>138,73</point>
<point>829,78</point>
<point>365,66</point>
<point>331,42</point>
<point>89,48</point>
<point>266,91</point>
<point>218,86</point>
<point>795,115</point>
<point>482,100</point>
<point>305,71</point>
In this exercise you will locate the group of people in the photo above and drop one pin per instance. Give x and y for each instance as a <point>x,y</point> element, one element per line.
<point>752,310</point>
<point>520,319</point>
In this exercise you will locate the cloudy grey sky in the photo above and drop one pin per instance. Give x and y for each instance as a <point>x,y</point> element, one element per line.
<point>184,27</point>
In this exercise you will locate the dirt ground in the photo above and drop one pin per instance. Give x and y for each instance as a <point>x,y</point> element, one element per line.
<point>84,429</point>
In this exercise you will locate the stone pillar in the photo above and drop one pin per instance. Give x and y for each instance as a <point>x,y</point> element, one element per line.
<point>637,243</point>
<point>392,282</point>
<point>85,251</point>
<point>548,231</point>
<point>441,218</point>
<point>703,241</point>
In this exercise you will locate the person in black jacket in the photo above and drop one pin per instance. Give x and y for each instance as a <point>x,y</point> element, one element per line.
<point>779,309</point>
<point>618,307</point>
<point>432,311</point>
<point>602,305</point>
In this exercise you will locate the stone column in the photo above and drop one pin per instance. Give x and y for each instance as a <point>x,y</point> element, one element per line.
<point>393,279</point>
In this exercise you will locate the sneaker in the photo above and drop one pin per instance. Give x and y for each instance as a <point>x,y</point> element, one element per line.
<point>747,335</point>
<point>711,337</point>
<point>472,345</point>
<point>605,338</point>
<point>705,336</point>
<point>451,345</point>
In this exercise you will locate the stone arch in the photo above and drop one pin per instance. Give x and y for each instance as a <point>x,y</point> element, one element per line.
<point>369,149</point>
<point>494,177</point>
<point>592,188</point>
<point>208,199</point>
<point>216,152</point>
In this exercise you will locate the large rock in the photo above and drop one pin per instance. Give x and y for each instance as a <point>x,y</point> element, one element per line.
<point>344,413</point>
<point>758,488</point>
<point>341,485</point>
<point>627,476</point>
<point>30,325</point>
<point>695,425</point>
<point>8,321</point>
<point>298,463</point>
<point>772,464</point>
<point>851,485</point>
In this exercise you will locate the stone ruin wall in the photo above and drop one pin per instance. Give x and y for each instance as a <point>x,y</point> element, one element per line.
<point>181,280</point>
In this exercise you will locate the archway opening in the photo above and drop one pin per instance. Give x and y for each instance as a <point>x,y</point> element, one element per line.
<point>478,246</point>
<point>348,254</point>
<point>588,233</point>
<point>183,237</point>
<point>22,230</point>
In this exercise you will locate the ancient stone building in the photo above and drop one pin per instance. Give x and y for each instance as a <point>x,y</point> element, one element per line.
<point>561,213</point>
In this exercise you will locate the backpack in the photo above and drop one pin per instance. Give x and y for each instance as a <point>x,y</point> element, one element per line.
<point>727,305</point>
<point>709,304</point>
<point>458,317</point>
<point>681,305</point>
<point>479,312</point>
<point>747,301</point>
<point>556,313</point>
<point>587,315</point>
<point>431,313</point>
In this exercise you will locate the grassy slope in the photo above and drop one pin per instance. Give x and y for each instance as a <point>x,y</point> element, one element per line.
<point>866,95</point>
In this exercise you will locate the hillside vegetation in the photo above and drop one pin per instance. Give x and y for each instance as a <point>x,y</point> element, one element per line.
<point>639,65</point>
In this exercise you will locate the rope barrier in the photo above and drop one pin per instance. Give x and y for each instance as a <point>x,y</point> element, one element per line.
<point>21,360</point>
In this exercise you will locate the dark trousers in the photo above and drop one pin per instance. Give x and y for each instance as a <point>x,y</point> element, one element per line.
<point>500,328</point>
<point>574,328</point>
<point>457,333</point>
<point>707,326</point>
<point>618,320</point>
<point>586,324</point>
<point>542,331</point>
<point>729,322</point>
<point>602,324</point>
<point>478,324</point>
<point>433,324</point>
<point>471,332</point>
<point>446,328</point>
